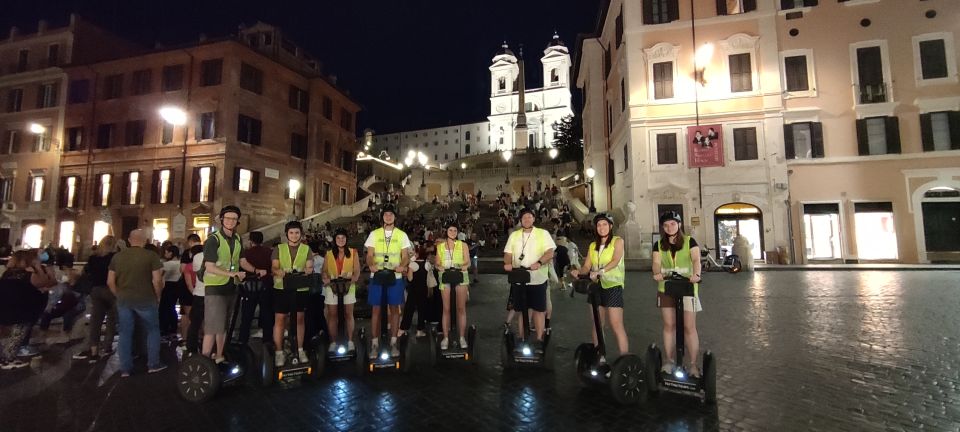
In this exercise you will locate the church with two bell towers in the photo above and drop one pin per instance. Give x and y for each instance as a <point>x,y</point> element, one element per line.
<point>520,117</point>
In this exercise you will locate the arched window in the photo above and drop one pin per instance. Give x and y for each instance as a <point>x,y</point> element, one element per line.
<point>466,149</point>
<point>466,136</point>
<point>554,75</point>
<point>502,83</point>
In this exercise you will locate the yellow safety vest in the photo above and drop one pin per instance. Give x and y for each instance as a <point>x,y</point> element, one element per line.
<point>225,259</point>
<point>393,249</point>
<point>456,255</point>
<point>682,263</point>
<point>611,278</point>
<point>299,262</point>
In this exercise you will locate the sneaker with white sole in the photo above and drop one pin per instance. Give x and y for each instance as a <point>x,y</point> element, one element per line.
<point>278,358</point>
<point>156,369</point>
<point>302,356</point>
<point>351,346</point>
<point>15,364</point>
<point>374,349</point>
<point>667,368</point>
<point>463,343</point>
<point>444,344</point>
<point>333,347</point>
<point>394,350</point>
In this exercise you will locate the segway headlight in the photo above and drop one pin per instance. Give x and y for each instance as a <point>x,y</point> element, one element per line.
<point>678,373</point>
<point>593,373</point>
<point>341,350</point>
<point>526,351</point>
<point>235,370</point>
<point>384,356</point>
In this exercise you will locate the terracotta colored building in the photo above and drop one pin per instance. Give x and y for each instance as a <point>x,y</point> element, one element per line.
<point>33,85</point>
<point>163,140</point>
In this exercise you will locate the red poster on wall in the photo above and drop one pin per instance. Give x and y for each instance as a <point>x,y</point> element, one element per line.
<point>705,146</point>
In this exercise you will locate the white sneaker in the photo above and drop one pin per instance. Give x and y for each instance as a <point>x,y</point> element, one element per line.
<point>302,355</point>
<point>333,347</point>
<point>278,358</point>
<point>351,346</point>
<point>463,343</point>
<point>444,344</point>
<point>667,368</point>
<point>394,351</point>
<point>374,349</point>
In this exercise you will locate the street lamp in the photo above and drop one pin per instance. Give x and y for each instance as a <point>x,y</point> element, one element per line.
<point>553,153</point>
<point>422,159</point>
<point>506,157</point>
<point>590,174</point>
<point>37,128</point>
<point>173,115</point>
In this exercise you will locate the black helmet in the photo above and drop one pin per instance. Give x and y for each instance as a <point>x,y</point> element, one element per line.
<point>603,216</point>
<point>670,215</point>
<point>339,232</point>
<point>526,210</point>
<point>387,208</point>
<point>230,209</point>
<point>293,225</point>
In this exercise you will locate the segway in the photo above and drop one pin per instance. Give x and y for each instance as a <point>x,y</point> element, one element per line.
<point>293,370</point>
<point>522,353</point>
<point>199,378</point>
<point>342,353</point>
<point>625,377</point>
<point>384,359</point>
<point>678,286</point>
<point>454,351</point>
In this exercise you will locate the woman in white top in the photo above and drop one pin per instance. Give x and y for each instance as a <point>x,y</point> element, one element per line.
<point>171,291</point>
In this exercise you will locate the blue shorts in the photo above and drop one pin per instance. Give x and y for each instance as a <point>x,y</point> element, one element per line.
<point>394,293</point>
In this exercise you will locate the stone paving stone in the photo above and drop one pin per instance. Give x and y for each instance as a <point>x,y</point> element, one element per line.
<point>803,351</point>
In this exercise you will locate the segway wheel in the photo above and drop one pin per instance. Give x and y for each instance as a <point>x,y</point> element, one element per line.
<point>548,355</point>
<point>584,357</point>
<point>198,379</point>
<point>268,367</point>
<point>709,378</point>
<point>628,382</point>
<point>736,265</point>
<point>652,371</point>
<point>405,355</point>
<point>254,363</point>
<point>506,357</point>
<point>318,357</point>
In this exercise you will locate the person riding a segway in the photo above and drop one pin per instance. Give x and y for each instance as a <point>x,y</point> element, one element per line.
<point>388,254</point>
<point>453,261</point>
<point>341,270</point>
<point>676,268</point>
<point>601,278</point>
<point>290,257</point>
<point>527,252</point>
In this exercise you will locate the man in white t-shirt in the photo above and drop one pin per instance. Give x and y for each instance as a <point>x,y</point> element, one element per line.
<point>196,312</point>
<point>388,247</point>
<point>531,248</point>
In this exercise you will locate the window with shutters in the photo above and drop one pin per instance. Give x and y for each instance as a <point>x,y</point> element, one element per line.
<point>172,78</point>
<point>131,191</point>
<point>14,100</point>
<point>166,134</point>
<point>135,130</point>
<point>211,72</point>
<point>208,126</point>
<point>6,189</point>
<point>798,73</point>
<point>102,197</point>
<point>327,108</point>
<point>105,134</point>
<point>11,142</point>
<point>244,180</point>
<point>741,73</point>
<point>663,80</point>
<point>142,82</point>
<point>346,119</point>
<point>940,130</point>
<point>870,62</point>
<point>298,99</point>
<point>36,189</point>
<point>803,140</point>
<point>248,130</point>
<point>660,11</point>
<point>251,78</point>
<point>47,95</point>
<point>878,136</point>
<point>745,143</point>
<point>74,138</point>
<point>797,4</point>
<point>326,192</point>
<point>666,149</point>
<point>79,91</point>
<point>69,191</point>
<point>203,184</point>
<point>298,145</point>
<point>163,184</point>
<point>112,86</point>
<point>733,7</point>
<point>53,55</point>
<point>343,196</point>
<point>935,61</point>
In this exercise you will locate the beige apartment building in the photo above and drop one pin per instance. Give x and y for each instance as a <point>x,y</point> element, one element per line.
<point>32,88</point>
<point>835,123</point>
<point>163,140</point>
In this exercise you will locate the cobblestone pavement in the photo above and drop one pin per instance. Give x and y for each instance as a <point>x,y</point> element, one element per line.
<point>830,351</point>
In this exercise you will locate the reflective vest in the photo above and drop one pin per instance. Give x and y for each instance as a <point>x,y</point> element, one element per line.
<point>226,260</point>
<point>330,266</point>
<point>611,278</point>
<point>538,237</point>
<point>382,249</point>
<point>299,263</point>
<point>682,263</point>
<point>456,255</point>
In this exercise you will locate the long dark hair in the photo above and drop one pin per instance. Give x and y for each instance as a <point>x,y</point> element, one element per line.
<point>345,250</point>
<point>665,242</point>
<point>598,241</point>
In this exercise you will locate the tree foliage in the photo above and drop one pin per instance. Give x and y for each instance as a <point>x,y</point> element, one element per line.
<point>568,138</point>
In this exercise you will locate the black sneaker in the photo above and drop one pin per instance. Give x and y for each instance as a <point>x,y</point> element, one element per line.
<point>159,368</point>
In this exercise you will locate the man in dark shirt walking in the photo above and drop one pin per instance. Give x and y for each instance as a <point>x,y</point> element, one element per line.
<point>256,262</point>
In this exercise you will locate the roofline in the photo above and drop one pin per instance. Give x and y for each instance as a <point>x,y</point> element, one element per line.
<point>581,37</point>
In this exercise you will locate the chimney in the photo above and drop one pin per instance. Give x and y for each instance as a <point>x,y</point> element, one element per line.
<point>333,79</point>
<point>203,37</point>
<point>41,27</point>
<point>14,31</point>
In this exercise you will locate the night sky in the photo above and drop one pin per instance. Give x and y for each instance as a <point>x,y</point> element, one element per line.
<point>410,63</point>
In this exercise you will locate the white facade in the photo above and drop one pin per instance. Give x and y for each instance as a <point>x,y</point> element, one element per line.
<point>544,107</point>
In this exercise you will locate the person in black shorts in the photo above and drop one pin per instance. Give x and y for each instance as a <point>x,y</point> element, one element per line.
<point>604,262</point>
<point>289,257</point>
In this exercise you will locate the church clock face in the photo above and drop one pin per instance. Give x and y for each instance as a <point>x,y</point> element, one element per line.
<point>500,108</point>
